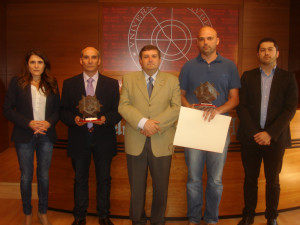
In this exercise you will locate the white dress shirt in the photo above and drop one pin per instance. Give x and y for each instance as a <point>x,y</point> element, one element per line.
<point>38,103</point>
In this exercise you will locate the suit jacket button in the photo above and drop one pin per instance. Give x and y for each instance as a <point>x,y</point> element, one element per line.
<point>149,104</point>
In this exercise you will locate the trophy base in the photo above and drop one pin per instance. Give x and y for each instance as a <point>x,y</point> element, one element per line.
<point>89,119</point>
<point>204,106</point>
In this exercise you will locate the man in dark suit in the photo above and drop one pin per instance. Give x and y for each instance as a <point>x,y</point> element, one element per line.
<point>268,102</point>
<point>97,137</point>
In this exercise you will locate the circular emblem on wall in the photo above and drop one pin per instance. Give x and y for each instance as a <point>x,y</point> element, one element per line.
<point>172,30</point>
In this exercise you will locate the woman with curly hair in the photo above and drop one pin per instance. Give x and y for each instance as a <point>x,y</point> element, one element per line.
<point>32,105</point>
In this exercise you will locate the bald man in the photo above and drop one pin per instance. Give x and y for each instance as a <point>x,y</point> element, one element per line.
<point>97,138</point>
<point>221,73</point>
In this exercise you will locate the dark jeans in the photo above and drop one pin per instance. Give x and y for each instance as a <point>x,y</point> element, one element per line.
<point>137,171</point>
<point>252,156</point>
<point>81,189</point>
<point>25,152</point>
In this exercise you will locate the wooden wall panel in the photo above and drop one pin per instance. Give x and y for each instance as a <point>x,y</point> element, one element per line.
<point>2,40</point>
<point>60,29</point>
<point>294,126</point>
<point>264,18</point>
<point>4,138</point>
<point>294,56</point>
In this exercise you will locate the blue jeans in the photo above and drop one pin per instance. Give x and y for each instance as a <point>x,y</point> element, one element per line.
<point>25,152</point>
<point>195,161</point>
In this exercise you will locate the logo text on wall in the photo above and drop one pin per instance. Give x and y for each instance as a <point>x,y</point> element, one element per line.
<point>168,29</point>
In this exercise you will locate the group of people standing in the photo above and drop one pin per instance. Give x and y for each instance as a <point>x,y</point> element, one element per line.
<point>150,101</point>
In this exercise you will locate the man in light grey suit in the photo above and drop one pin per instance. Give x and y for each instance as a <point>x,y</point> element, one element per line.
<point>150,103</point>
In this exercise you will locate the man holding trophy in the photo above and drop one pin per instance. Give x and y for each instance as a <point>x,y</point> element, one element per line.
<point>212,81</point>
<point>89,107</point>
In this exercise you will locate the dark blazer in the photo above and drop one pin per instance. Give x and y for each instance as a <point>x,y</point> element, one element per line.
<point>17,108</point>
<point>107,92</point>
<point>281,109</point>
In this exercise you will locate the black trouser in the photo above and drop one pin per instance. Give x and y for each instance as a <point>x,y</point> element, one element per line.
<point>137,172</point>
<point>252,156</point>
<point>81,189</point>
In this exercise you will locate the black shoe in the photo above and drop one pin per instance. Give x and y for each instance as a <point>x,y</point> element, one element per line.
<point>105,221</point>
<point>246,220</point>
<point>79,222</point>
<point>272,222</point>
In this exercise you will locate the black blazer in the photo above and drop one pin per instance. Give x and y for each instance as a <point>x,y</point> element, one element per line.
<point>17,108</point>
<point>107,92</point>
<point>281,109</point>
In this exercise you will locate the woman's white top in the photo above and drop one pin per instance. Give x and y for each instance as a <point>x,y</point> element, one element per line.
<point>38,103</point>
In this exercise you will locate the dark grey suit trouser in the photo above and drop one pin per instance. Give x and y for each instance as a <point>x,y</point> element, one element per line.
<point>252,157</point>
<point>137,171</point>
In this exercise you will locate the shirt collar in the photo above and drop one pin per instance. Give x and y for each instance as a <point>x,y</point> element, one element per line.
<point>272,72</point>
<point>153,76</point>
<point>218,59</point>
<point>95,76</point>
